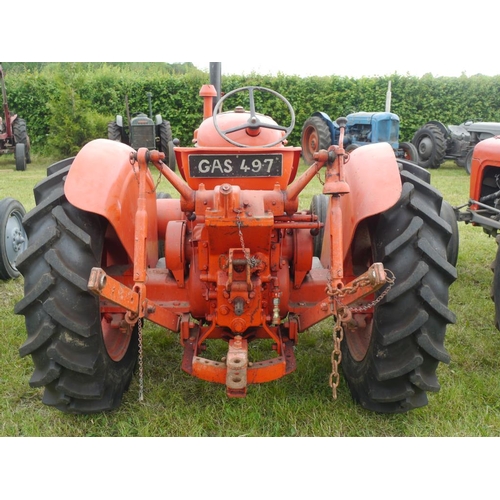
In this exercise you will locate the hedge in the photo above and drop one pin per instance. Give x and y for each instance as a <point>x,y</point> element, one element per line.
<point>58,100</point>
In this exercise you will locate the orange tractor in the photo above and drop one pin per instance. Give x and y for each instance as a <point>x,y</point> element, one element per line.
<point>241,263</point>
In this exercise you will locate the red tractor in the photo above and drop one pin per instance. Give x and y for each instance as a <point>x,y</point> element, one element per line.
<point>13,132</point>
<point>483,207</point>
<point>241,263</point>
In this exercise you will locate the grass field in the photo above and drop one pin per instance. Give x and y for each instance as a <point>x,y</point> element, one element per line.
<point>300,404</point>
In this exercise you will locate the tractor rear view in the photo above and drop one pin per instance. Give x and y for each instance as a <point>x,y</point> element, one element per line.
<point>144,132</point>
<point>14,137</point>
<point>242,263</point>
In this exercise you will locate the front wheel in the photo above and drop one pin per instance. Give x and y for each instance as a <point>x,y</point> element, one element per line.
<point>20,157</point>
<point>391,351</point>
<point>84,354</point>
<point>13,238</point>
<point>409,151</point>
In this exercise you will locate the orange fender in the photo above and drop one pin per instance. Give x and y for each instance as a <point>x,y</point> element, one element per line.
<point>102,180</point>
<point>375,186</point>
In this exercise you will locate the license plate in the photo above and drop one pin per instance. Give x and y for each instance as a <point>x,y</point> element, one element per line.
<point>247,165</point>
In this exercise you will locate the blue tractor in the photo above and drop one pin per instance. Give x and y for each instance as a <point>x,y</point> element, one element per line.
<point>320,132</point>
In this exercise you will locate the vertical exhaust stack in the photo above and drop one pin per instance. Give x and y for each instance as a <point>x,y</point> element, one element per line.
<point>388,98</point>
<point>215,80</point>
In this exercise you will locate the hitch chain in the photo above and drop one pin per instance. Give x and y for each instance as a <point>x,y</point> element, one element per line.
<point>338,337</point>
<point>251,261</point>
<point>346,291</point>
<point>343,314</point>
<point>133,160</point>
<point>141,362</point>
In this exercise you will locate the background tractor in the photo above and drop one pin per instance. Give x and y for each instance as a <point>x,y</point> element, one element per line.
<point>436,142</point>
<point>14,137</point>
<point>483,207</point>
<point>143,132</point>
<point>320,132</point>
<point>242,263</point>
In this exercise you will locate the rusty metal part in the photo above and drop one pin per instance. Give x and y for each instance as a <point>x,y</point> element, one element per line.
<point>131,300</point>
<point>236,367</point>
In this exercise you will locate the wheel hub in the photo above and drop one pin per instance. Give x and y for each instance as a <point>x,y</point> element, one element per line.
<point>425,148</point>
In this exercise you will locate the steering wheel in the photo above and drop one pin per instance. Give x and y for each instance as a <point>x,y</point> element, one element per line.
<point>253,122</point>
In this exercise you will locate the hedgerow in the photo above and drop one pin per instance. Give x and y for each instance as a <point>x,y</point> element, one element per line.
<point>65,105</point>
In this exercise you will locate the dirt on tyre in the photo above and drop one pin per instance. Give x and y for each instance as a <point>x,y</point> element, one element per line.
<point>389,361</point>
<point>315,136</point>
<point>431,146</point>
<point>13,238</point>
<point>84,356</point>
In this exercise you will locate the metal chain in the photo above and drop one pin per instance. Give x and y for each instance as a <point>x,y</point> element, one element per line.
<point>132,160</point>
<point>159,178</point>
<point>343,311</point>
<point>345,291</point>
<point>251,261</point>
<point>338,337</point>
<point>141,362</point>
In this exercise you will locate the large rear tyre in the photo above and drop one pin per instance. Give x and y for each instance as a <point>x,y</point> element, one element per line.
<point>13,238</point>
<point>315,136</point>
<point>390,359</point>
<point>84,357</point>
<point>431,146</point>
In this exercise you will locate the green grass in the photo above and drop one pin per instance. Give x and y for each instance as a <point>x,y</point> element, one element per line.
<point>300,404</point>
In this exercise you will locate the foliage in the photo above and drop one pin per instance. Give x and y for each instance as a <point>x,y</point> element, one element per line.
<point>73,121</point>
<point>33,91</point>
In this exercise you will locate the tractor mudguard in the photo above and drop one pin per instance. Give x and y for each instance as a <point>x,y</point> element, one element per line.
<point>332,124</point>
<point>102,180</point>
<point>372,174</point>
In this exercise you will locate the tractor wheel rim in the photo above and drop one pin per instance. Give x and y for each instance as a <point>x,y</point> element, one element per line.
<point>116,334</point>
<point>358,339</point>
<point>425,148</point>
<point>16,240</point>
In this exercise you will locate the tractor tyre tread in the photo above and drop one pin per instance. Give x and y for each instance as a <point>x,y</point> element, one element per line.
<point>65,342</point>
<point>316,125</point>
<point>409,323</point>
<point>20,132</point>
